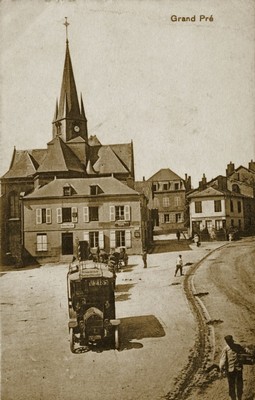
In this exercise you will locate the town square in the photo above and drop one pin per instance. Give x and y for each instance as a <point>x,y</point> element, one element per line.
<point>127,201</point>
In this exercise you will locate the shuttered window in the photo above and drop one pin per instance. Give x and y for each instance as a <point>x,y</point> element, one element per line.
<point>112,213</point>
<point>85,214</point>
<point>43,215</point>
<point>112,240</point>
<point>59,215</point>
<point>74,214</point>
<point>127,212</point>
<point>48,216</point>
<point>101,240</point>
<point>128,239</point>
<point>38,216</point>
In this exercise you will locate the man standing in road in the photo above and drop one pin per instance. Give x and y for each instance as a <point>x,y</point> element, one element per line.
<point>179,265</point>
<point>233,368</point>
<point>144,256</point>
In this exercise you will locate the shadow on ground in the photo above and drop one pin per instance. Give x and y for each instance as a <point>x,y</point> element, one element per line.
<point>164,246</point>
<point>121,291</point>
<point>137,328</point>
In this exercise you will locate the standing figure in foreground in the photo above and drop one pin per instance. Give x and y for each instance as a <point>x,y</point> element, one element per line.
<point>144,256</point>
<point>179,265</point>
<point>232,367</point>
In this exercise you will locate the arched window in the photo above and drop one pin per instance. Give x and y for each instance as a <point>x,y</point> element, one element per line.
<point>14,211</point>
<point>235,188</point>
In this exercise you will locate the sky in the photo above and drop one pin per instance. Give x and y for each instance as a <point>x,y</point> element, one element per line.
<point>183,91</point>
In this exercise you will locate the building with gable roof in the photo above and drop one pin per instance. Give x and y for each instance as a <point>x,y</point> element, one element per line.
<point>70,154</point>
<point>103,212</point>
<point>166,192</point>
<point>224,203</point>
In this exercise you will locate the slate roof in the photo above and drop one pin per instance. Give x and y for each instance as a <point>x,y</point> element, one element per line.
<point>144,187</point>
<point>68,102</point>
<point>25,163</point>
<point>164,174</point>
<point>213,192</point>
<point>60,158</point>
<point>81,187</point>
<point>108,162</point>
<point>112,158</point>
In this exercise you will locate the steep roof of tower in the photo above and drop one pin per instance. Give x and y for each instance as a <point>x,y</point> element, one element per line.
<point>60,158</point>
<point>68,102</point>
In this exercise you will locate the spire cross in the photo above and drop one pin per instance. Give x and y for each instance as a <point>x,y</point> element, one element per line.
<point>66,25</point>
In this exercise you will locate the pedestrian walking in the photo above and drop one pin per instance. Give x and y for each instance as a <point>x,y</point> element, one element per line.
<point>178,235</point>
<point>179,265</point>
<point>231,366</point>
<point>144,257</point>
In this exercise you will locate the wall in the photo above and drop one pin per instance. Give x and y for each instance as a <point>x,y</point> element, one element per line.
<point>54,229</point>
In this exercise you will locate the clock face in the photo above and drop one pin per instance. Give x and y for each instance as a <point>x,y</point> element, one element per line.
<point>76,128</point>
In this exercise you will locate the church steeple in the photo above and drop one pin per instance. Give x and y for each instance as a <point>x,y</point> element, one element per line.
<point>69,120</point>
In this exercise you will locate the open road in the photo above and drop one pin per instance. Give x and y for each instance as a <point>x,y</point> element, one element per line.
<point>167,342</point>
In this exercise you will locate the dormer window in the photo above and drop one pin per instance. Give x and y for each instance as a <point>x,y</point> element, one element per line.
<point>235,188</point>
<point>67,190</point>
<point>95,189</point>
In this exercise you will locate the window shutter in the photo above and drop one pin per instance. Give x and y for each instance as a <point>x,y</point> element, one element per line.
<point>101,239</point>
<point>127,212</point>
<point>44,242</point>
<point>38,216</point>
<point>59,215</point>
<point>128,239</point>
<point>85,214</point>
<point>112,240</point>
<point>112,213</point>
<point>74,214</point>
<point>86,236</point>
<point>48,215</point>
<point>162,218</point>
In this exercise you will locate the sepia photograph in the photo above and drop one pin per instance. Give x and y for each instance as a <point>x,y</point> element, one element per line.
<point>127,199</point>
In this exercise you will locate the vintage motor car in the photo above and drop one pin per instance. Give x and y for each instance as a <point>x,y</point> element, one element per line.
<point>91,304</point>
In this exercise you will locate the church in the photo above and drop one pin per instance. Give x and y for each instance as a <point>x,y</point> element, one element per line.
<point>71,156</point>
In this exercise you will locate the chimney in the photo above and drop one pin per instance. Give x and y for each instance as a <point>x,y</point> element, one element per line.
<point>222,182</point>
<point>230,168</point>
<point>143,178</point>
<point>252,165</point>
<point>130,182</point>
<point>187,182</point>
<point>203,182</point>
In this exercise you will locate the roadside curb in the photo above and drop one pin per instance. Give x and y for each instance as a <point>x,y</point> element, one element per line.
<point>205,340</point>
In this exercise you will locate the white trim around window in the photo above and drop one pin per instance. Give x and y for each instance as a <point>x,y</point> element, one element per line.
<point>41,242</point>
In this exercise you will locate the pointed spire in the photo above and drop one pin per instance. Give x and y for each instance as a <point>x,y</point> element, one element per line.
<point>68,90</point>
<point>56,111</point>
<point>70,116</point>
<point>82,109</point>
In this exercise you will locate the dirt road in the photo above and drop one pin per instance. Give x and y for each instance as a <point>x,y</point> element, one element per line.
<point>224,303</point>
<point>158,332</point>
